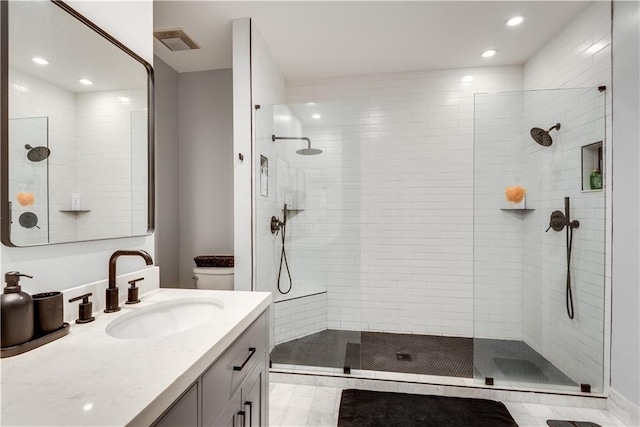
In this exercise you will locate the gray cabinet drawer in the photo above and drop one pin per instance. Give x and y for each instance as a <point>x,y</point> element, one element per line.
<point>228,415</point>
<point>222,380</point>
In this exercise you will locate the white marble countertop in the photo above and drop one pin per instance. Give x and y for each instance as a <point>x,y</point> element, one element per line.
<point>89,378</point>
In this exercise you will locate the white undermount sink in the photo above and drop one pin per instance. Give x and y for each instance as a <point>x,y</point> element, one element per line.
<point>165,318</point>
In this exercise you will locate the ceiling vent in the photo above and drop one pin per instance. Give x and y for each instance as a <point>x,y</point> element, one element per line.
<point>175,39</point>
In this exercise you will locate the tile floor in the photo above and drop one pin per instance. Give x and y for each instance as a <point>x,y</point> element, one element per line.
<point>306,405</point>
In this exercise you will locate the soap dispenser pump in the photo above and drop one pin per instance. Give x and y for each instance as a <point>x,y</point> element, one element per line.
<point>17,312</point>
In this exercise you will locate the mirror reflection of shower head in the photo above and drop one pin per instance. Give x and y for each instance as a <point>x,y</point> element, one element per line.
<point>542,136</point>
<point>37,154</point>
<point>303,151</point>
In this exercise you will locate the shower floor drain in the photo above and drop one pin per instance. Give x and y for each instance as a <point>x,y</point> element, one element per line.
<point>405,357</point>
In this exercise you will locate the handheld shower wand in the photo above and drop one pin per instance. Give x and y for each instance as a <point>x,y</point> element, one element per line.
<point>281,226</point>
<point>559,221</point>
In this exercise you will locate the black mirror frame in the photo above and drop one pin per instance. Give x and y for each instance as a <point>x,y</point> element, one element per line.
<point>5,208</point>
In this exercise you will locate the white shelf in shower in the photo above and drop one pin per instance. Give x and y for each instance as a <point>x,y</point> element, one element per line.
<point>517,209</point>
<point>75,211</point>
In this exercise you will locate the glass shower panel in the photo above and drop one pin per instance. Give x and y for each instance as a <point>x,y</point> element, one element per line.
<point>29,186</point>
<point>307,222</point>
<point>539,290</point>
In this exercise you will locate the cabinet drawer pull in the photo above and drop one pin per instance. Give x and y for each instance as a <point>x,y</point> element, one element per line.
<point>244,418</point>
<point>250,405</point>
<point>252,351</point>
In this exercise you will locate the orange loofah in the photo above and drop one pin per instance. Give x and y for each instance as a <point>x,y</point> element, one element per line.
<point>26,199</point>
<point>515,193</point>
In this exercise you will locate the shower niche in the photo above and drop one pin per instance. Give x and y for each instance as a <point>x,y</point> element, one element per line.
<point>592,167</point>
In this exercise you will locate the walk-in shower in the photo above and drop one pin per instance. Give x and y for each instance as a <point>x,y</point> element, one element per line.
<point>401,265</point>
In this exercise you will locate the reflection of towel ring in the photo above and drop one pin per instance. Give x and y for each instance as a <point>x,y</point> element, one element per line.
<point>28,220</point>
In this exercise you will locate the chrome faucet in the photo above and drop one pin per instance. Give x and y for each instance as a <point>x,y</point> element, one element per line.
<point>112,290</point>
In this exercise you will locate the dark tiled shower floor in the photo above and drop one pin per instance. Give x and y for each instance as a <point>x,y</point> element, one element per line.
<point>429,355</point>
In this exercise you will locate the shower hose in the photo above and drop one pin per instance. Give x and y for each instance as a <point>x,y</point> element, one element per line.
<point>283,255</point>
<point>568,294</point>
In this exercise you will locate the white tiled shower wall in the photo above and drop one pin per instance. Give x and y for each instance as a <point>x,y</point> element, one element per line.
<point>578,57</point>
<point>411,189</point>
<point>105,164</point>
<point>300,317</point>
<point>497,233</point>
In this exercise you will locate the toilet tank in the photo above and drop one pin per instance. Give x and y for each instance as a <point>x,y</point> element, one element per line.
<point>214,278</point>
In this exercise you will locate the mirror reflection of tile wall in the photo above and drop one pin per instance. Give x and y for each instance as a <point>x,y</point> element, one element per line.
<point>98,143</point>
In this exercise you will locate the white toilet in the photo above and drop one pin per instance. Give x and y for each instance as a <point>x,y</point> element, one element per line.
<point>215,278</point>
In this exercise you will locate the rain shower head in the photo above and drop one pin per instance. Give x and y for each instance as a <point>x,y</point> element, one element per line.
<point>37,154</point>
<point>303,151</point>
<point>309,151</point>
<point>542,136</point>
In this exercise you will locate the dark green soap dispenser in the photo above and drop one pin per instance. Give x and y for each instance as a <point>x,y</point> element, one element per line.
<point>595,180</point>
<point>17,312</point>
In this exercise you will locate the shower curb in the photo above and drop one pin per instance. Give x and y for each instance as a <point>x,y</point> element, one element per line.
<point>325,379</point>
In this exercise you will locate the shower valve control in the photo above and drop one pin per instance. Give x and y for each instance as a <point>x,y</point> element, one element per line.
<point>557,221</point>
<point>275,225</point>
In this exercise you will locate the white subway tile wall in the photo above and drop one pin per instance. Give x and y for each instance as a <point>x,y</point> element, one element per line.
<point>396,214</point>
<point>498,233</point>
<point>300,317</point>
<point>105,167</point>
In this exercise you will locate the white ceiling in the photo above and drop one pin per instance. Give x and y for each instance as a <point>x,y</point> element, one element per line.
<point>334,38</point>
<point>74,51</point>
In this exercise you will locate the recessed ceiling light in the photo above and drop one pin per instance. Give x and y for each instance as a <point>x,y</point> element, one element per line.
<point>316,116</point>
<point>516,20</point>
<point>489,53</point>
<point>40,61</point>
<point>85,82</point>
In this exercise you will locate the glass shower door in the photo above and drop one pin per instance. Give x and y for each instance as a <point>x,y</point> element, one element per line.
<point>307,244</point>
<point>538,283</point>
<point>29,185</point>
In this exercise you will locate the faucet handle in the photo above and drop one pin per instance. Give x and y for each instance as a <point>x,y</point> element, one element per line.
<point>132,292</point>
<point>85,310</point>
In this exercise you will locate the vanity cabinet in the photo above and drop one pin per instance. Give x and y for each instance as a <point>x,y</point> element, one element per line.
<point>246,407</point>
<point>232,391</point>
<point>184,412</point>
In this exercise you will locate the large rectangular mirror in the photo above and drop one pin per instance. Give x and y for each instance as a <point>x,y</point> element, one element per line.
<point>76,129</point>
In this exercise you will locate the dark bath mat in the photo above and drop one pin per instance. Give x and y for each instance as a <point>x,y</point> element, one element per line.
<point>562,423</point>
<point>363,408</point>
